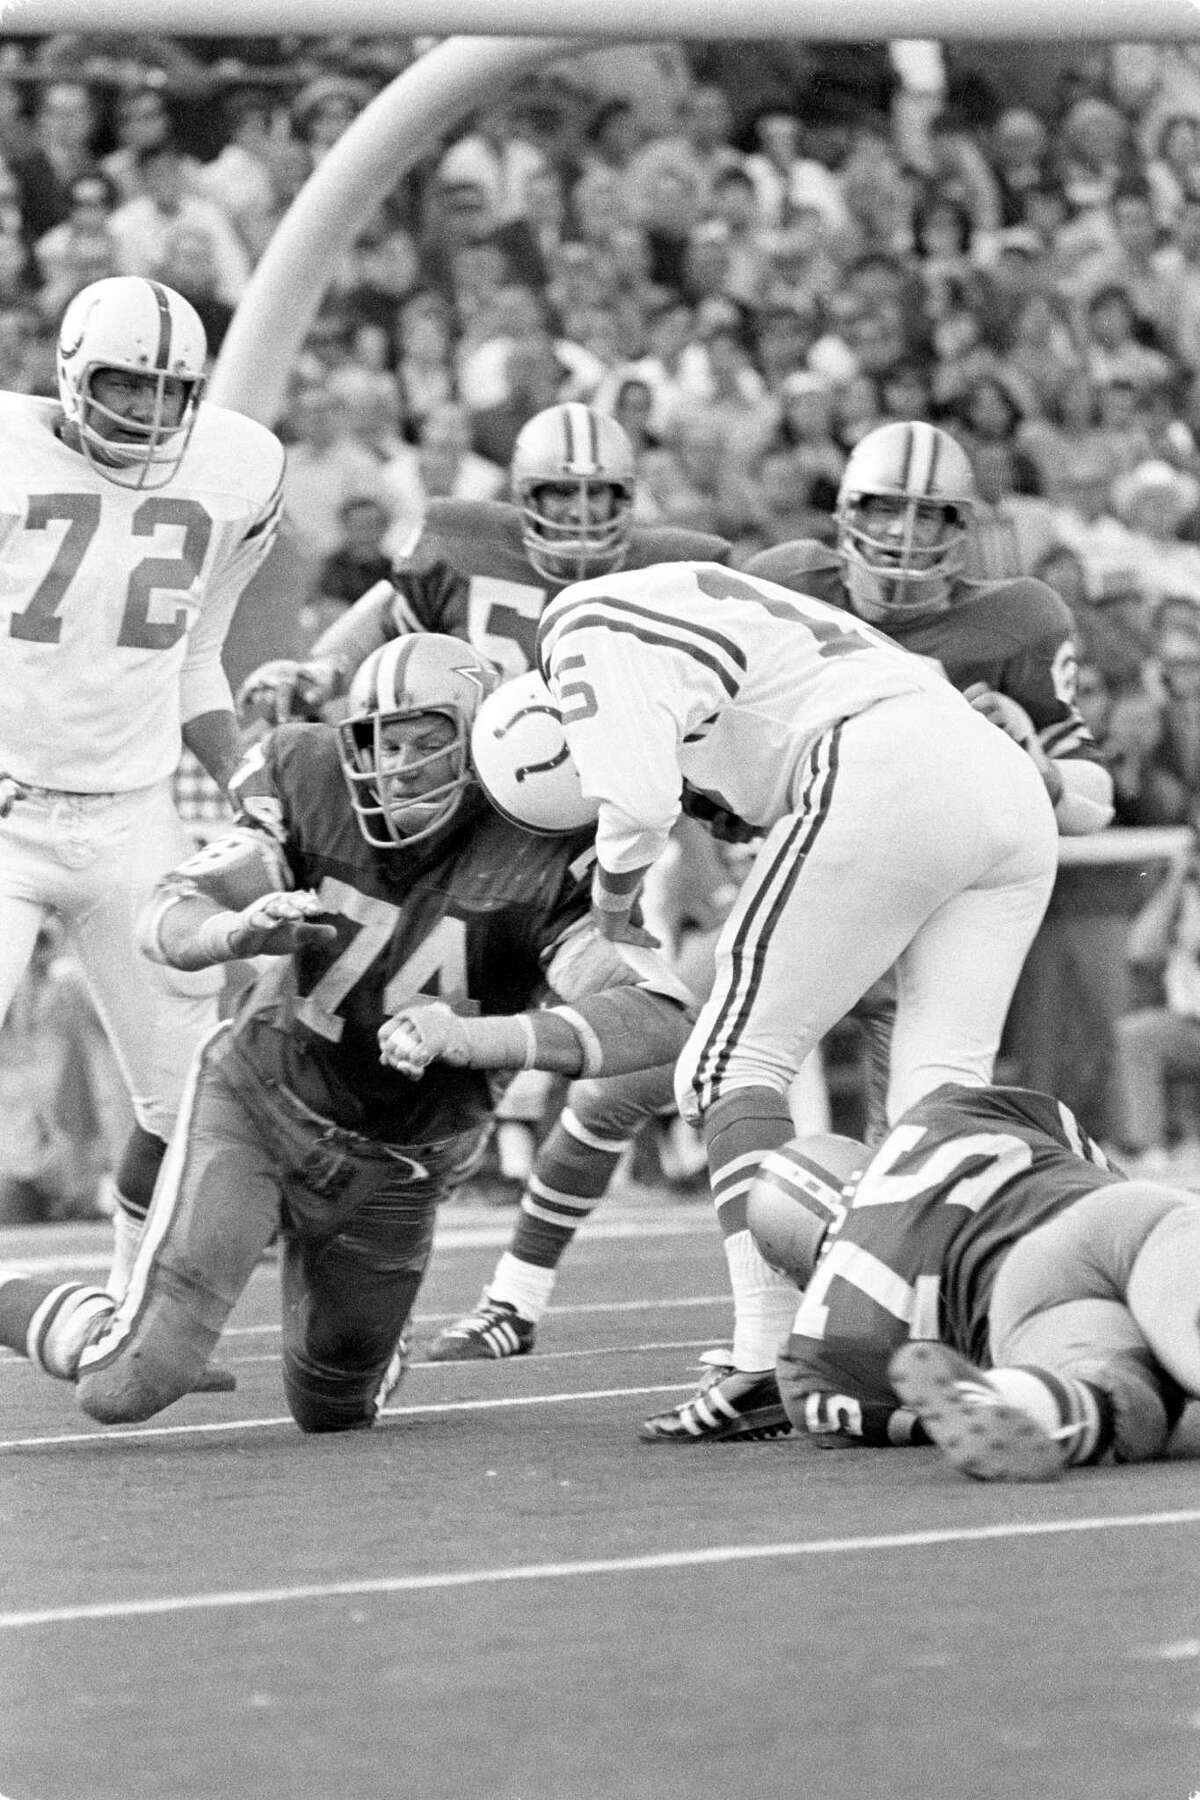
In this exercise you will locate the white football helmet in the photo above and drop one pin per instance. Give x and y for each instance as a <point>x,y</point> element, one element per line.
<point>572,443</point>
<point>519,752</point>
<point>140,327</point>
<point>420,677</point>
<point>796,1196</point>
<point>903,572</point>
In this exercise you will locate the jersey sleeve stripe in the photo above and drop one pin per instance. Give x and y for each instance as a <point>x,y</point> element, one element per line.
<point>731,683</point>
<point>607,609</point>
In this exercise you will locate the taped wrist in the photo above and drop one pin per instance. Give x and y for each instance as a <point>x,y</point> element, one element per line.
<point>214,936</point>
<point>623,1029</point>
<point>500,1041</point>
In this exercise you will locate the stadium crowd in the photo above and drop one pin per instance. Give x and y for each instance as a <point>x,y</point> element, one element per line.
<point>750,257</point>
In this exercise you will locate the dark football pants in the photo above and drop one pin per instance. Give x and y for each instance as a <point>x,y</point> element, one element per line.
<point>355,1224</point>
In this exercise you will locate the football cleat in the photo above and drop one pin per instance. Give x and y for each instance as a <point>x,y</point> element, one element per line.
<point>977,1430</point>
<point>731,1406</point>
<point>495,1329</point>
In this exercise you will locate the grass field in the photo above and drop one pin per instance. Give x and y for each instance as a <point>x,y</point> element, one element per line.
<point>501,1594</point>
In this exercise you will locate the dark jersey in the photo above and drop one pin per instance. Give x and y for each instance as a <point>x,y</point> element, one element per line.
<point>468,575</point>
<point>471,922</point>
<point>962,1176</point>
<point>1014,635</point>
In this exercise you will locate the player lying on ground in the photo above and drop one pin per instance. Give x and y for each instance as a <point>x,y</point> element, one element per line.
<point>987,1280</point>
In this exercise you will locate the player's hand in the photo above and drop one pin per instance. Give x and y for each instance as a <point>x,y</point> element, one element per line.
<point>419,1035</point>
<point>10,792</point>
<point>1008,715</point>
<point>283,690</point>
<point>279,924</point>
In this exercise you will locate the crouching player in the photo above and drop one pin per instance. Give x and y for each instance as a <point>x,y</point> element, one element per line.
<point>413,932</point>
<point>986,1280</point>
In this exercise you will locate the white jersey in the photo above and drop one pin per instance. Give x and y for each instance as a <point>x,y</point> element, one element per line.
<point>690,672</point>
<point>114,604</point>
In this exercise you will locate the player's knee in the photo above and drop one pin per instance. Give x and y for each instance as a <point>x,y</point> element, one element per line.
<point>321,1399</point>
<point>613,1110</point>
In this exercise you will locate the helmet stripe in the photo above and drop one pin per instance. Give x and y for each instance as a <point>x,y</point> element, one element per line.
<point>162,355</point>
<point>910,444</point>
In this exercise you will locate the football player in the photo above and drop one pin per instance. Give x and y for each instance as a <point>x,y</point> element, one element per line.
<point>483,571</point>
<point>984,1279</point>
<point>900,829</point>
<point>134,514</point>
<point>411,932</point>
<point>903,517</point>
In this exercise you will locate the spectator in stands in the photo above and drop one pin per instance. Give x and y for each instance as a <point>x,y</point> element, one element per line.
<point>693,155</point>
<point>1174,166</point>
<point>1124,720</point>
<point>325,467</point>
<point>1135,549</point>
<point>142,122</point>
<point>534,378</point>
<point>495,156</point>
<point>424,369</point>
<point>1017,147</point>
<point>991,412</point>
<point>189,264</point>
<point>241,177</point>
<point>1159,1043</point>
<point>355,564</point>
<point>804,428</point>
<point>440,465</point>
<point>1111,347</point>
<point>82,247</point>
<point>143,225</point>
<point>64,127</point>
<point>459,219</point>
<point>1043,348</point>
<point>1011,533</point>
<point>323,110</point>
<point>1074,456</point>
<point>786,180</point>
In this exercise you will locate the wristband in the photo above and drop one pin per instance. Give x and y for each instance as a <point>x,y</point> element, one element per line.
<point>214,938</point>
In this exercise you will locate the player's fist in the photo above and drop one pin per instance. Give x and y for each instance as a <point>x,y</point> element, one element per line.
<point>273,925</point>
<point>419,1035</point>
<point>282,690</point>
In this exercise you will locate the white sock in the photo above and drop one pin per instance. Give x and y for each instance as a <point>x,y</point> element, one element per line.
<point>523,1285</point>
<point>764,1304</point>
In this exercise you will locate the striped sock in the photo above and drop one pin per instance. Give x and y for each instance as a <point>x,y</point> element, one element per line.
<point>1074,1412</point>
<point>61,1321</point>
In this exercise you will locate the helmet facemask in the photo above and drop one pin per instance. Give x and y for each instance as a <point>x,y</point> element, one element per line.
<point>158,446</point>
<point>585,460</point>
<point>902,572</point>
<point>587,544</point>
<point>404,745</point>
<point>392,812</point>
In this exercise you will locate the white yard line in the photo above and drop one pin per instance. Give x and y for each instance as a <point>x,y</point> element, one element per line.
<point>106,1611</point>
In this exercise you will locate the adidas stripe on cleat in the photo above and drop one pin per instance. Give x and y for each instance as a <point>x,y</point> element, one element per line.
<point>494,1330</point>
<point>977,1430</point>
<point>730,1407</point>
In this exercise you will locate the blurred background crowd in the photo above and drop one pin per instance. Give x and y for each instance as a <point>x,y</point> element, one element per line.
<point>749,254</point>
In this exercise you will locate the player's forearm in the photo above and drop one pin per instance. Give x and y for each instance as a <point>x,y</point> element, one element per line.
<point>186,931</point>
<point>616,1032</point>
<point>215,741</point>
<point>349,641</point>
